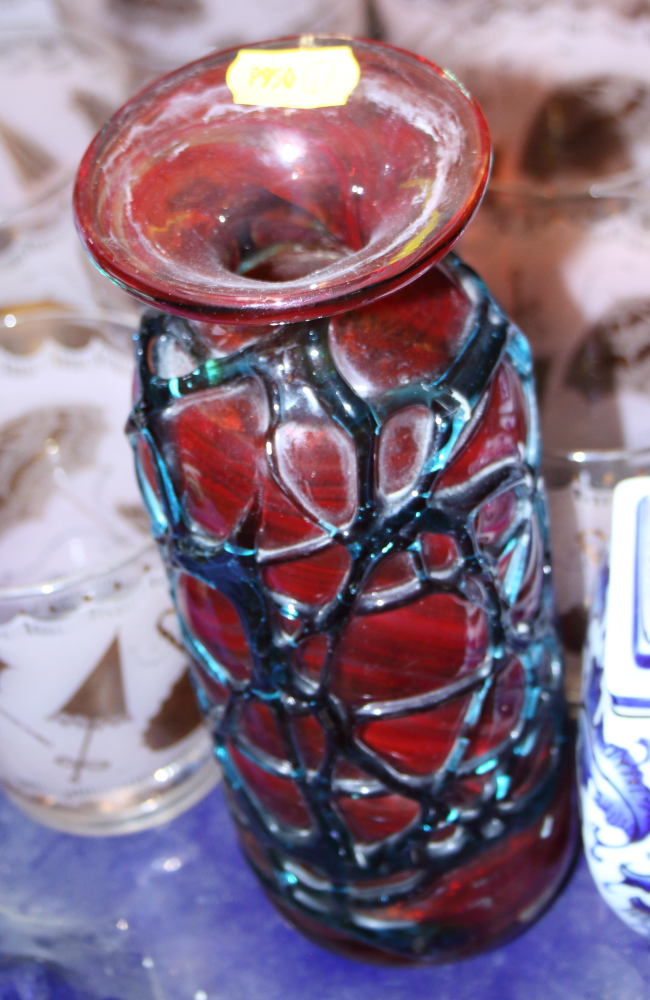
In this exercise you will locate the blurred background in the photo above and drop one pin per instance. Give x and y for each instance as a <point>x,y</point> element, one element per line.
<point>562,238</point>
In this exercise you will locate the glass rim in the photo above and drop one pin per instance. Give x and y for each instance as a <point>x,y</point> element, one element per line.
<point>55,585</point>
<point>58,584</point>
<point>359,283</point>
<point>629,185</point>
<point>585,456</point>
<point>41,314</point>
<point>12,214</point>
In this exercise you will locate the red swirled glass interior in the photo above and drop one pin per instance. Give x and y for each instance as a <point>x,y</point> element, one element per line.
<point>213,208</point>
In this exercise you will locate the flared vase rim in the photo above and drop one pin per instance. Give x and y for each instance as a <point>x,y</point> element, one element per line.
<point>280,302</point>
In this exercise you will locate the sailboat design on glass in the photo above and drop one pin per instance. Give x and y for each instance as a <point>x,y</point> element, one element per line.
<point>152,10</point>
<point>33,163</point>
<point>16,722</point>
<point>96,109</point>
<point>177,717</point>
<point>99,701</point>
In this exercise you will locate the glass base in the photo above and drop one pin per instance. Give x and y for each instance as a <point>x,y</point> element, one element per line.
<point>346,947</point>
<point>476,906</point>
<point>131,809</point>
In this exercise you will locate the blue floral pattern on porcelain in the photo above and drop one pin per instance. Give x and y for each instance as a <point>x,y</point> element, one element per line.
<point>614,738</point>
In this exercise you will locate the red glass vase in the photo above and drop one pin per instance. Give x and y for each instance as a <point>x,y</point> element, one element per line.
<point>336,437</point>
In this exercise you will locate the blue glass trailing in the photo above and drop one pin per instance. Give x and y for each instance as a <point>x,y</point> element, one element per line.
<point>357,547</point>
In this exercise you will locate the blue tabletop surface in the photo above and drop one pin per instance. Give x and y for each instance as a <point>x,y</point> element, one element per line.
<point>175,913</point>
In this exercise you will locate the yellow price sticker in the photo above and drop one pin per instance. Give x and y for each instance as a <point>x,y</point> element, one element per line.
<point>319,77</point>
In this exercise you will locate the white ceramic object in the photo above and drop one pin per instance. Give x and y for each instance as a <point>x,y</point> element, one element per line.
<point>614,747</point>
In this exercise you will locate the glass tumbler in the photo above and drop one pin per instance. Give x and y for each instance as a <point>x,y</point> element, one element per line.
<point>337,442</point>
<point>580,489</point>
<point>160,35</point>
<point>515,55</point>
<point>56,92</point>
<point>99,730</point>
<point>24,13</point>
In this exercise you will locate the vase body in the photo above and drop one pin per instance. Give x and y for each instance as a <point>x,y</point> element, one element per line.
<point>357,549</point>
<point>347,498</point>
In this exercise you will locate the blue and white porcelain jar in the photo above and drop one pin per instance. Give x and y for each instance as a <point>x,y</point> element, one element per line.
<point>614,743</point>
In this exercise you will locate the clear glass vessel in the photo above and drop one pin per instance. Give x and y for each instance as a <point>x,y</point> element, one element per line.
<point>336,436</point>
<point>514,54</point>
<point>99,730</point>
<point>580,488</point>
<point>56,92</point>
<point>160,35</point>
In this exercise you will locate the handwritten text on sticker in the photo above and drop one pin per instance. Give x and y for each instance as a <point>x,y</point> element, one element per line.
<point>294,78</point>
